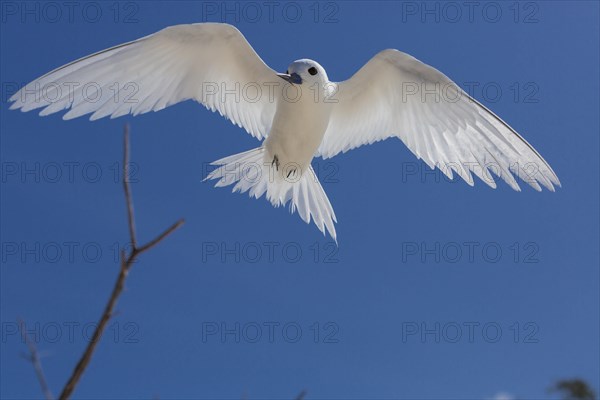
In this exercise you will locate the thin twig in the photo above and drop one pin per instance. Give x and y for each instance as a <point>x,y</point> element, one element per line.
<point>127,261</point>
<point>35,360</point>
<point>127,189</point>
<point>159,238</point>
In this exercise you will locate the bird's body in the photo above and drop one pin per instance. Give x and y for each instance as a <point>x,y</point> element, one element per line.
<point>301,119</point>
<point>304,116</point>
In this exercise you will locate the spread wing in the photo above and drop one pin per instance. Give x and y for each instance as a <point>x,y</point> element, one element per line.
<point>395,94</point>
<point>197,61</point>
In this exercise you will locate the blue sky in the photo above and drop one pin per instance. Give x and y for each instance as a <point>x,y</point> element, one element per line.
<point>402,309</point>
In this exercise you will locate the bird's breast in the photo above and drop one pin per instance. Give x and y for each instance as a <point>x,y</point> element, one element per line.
<point>298,129</point>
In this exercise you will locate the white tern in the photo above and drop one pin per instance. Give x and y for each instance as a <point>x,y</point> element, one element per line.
<point>300,114</point>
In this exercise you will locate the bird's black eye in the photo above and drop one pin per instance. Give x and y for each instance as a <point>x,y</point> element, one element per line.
<point>312,71</point>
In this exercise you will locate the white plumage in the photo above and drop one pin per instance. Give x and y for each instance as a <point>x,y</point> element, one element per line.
<point>393,94</point>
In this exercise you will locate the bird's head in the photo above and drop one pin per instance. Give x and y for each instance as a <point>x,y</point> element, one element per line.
<point>305,72</point>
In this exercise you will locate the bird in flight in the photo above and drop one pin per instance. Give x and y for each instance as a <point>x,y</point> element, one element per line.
<point>298,115</point>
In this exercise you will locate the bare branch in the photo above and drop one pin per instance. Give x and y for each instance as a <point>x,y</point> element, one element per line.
<point>159,238</point>
<point>127,189</point>
<point>34,358</point>
<point>127,262</point>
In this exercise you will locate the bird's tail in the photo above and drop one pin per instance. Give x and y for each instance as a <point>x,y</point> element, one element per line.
<point>252,173</point>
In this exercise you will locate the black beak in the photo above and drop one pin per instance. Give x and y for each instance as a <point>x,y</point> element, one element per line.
<point>291,78</point>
